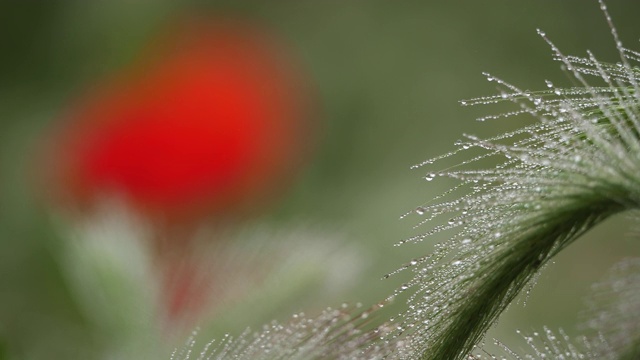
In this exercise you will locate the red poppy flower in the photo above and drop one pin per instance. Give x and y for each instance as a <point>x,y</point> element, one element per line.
<point>211,122</point>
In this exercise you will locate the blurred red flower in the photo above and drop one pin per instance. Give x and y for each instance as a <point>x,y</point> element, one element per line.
<point>211,122</point>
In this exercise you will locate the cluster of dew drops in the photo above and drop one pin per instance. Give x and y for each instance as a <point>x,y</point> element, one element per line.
<point>529,177</point>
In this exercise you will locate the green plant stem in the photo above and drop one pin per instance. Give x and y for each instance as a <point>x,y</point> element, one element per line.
<point>510,273</point>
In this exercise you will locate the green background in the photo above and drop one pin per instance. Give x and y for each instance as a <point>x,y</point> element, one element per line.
<point>388,76</point>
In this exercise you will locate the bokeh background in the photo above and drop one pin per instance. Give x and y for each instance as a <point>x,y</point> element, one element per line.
<point>387,78</point>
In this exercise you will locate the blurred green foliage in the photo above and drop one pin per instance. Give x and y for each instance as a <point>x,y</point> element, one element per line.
<point>388,76</point>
